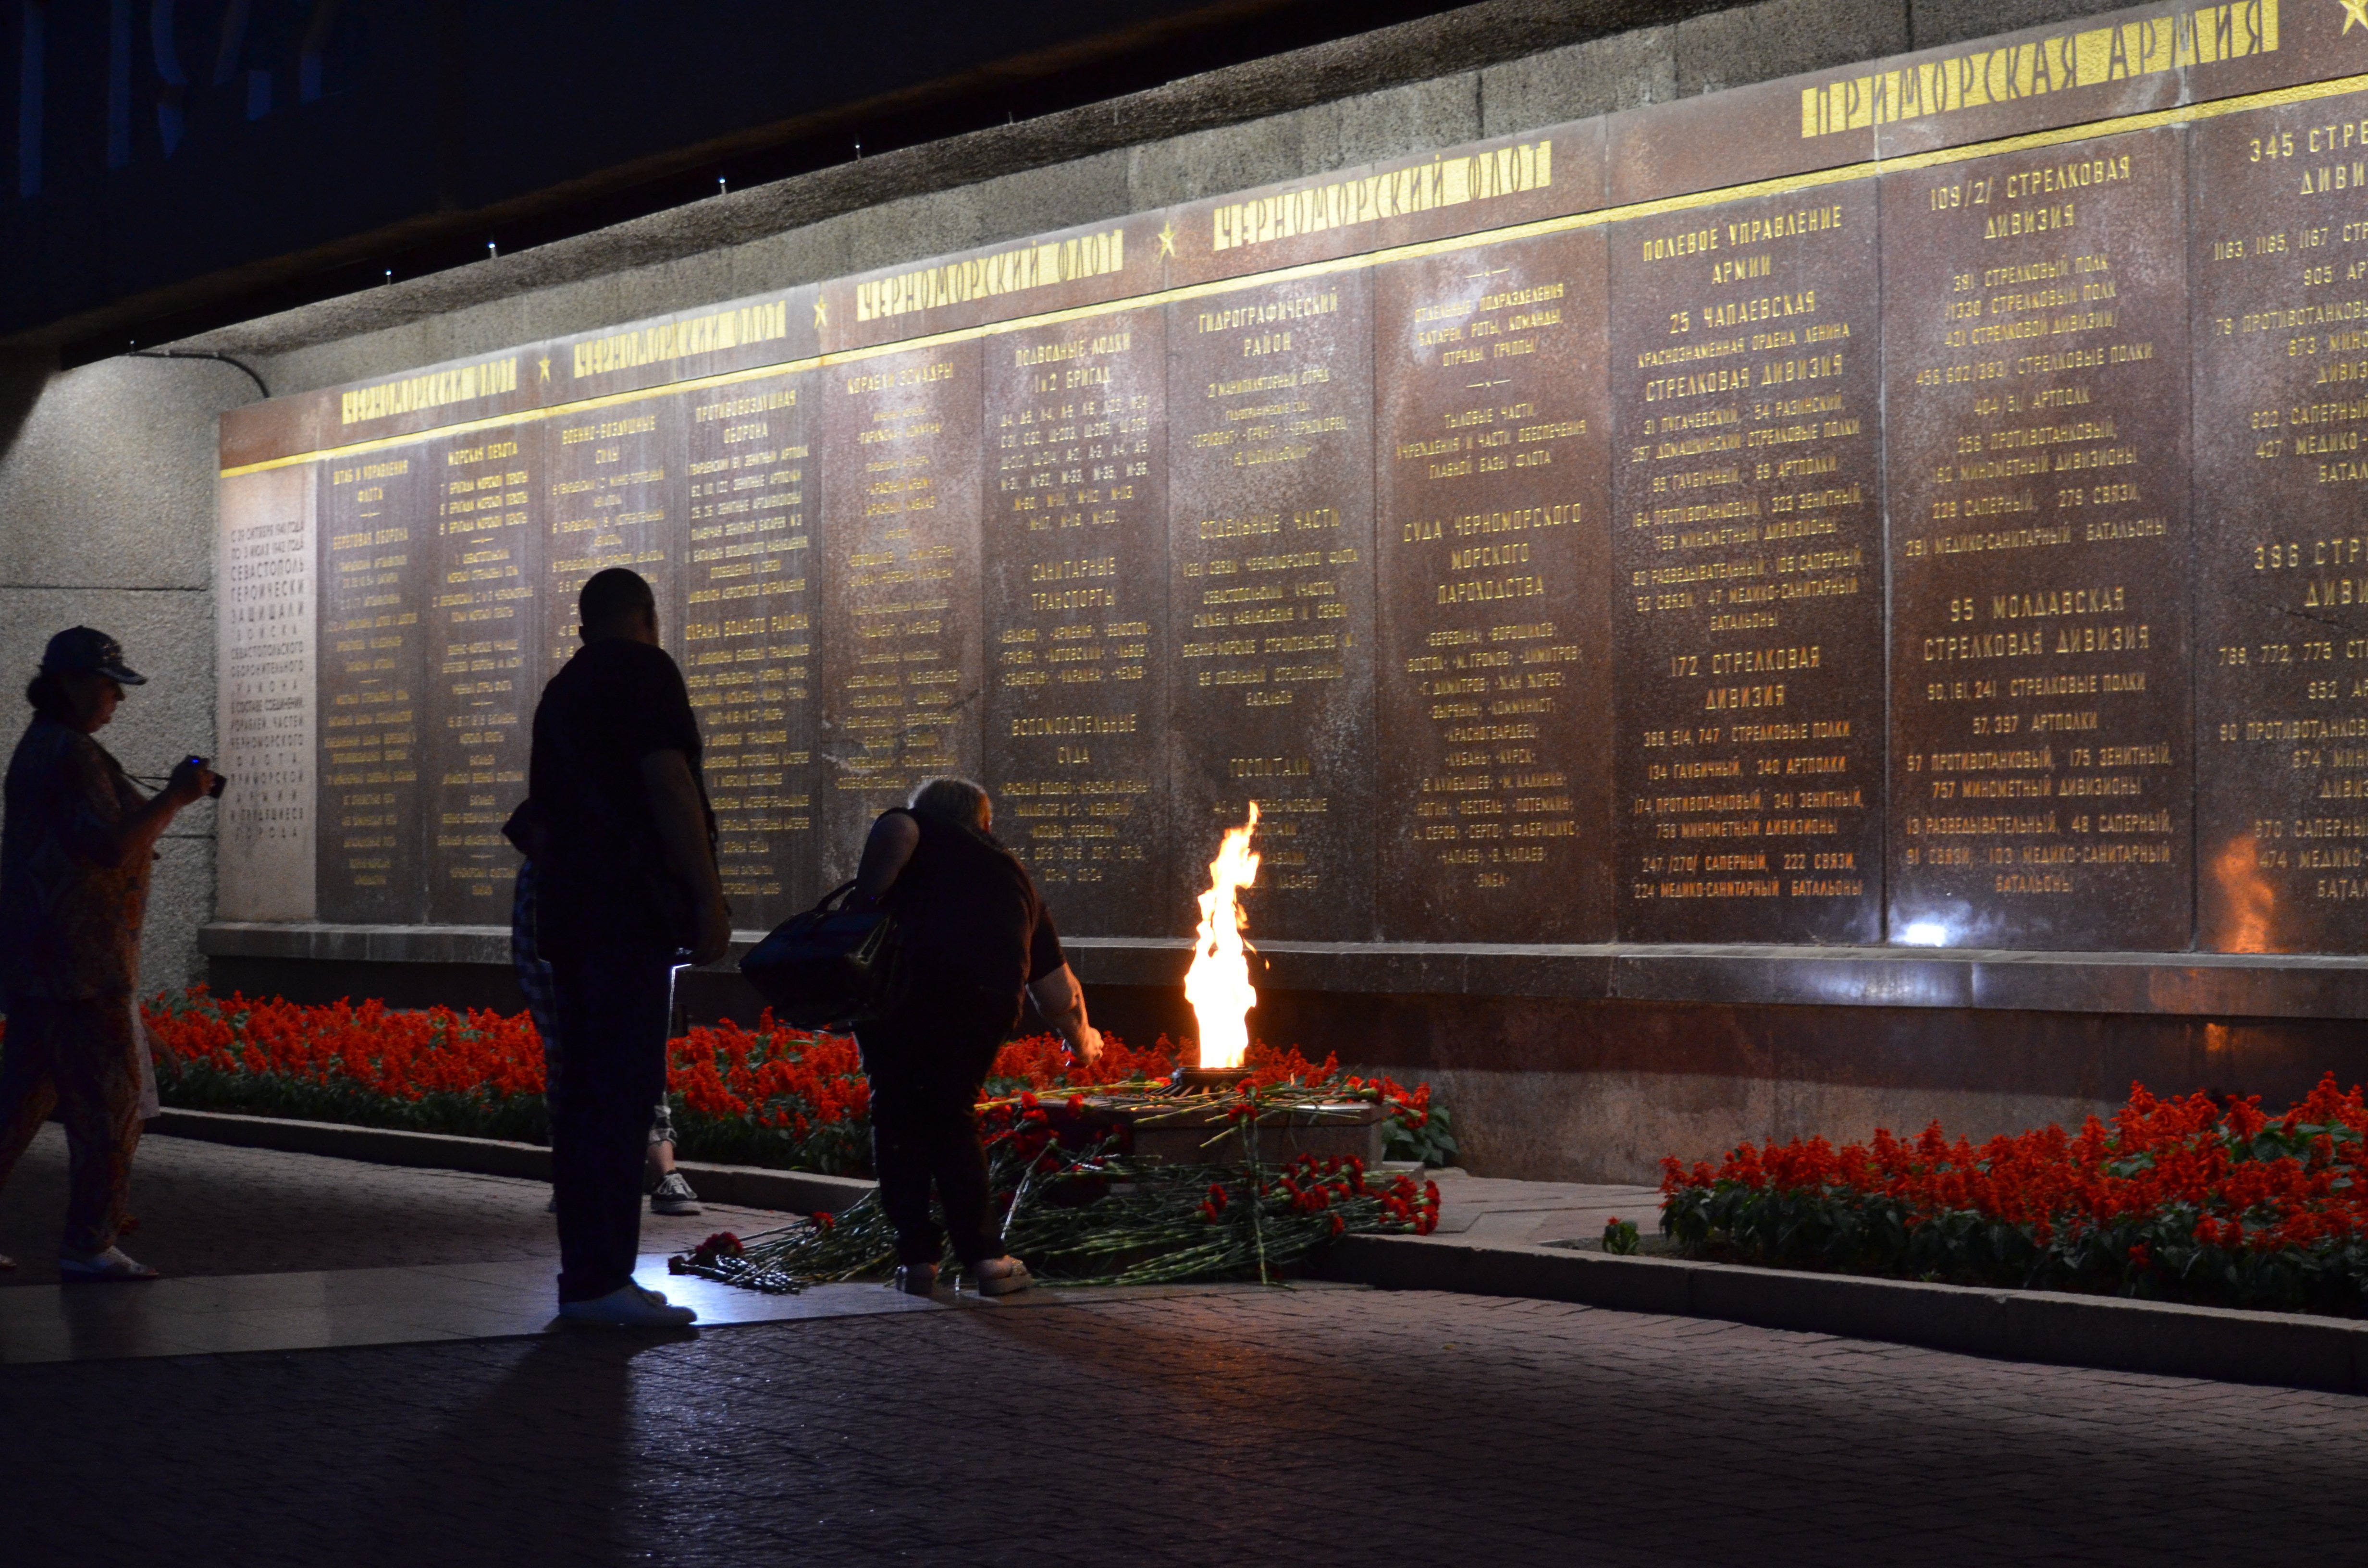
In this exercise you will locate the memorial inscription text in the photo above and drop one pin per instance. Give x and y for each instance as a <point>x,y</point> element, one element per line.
<point>1916,504</point>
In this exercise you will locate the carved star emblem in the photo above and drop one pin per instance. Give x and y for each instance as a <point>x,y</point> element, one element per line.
<point>822,316</point>
<point>2354,11</point>
<point>1167,231</point>
<point>546,359</point>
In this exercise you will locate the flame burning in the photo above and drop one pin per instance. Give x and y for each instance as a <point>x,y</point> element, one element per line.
<point>1218,984</point>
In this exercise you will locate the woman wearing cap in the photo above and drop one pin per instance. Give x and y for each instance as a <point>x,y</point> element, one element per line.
<point>74,851</point>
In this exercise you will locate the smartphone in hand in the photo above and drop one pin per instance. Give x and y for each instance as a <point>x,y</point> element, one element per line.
<point>214,792</point>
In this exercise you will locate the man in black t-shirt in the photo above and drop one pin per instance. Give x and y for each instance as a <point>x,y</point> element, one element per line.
<point>976,939</point>
<point>627,890</point>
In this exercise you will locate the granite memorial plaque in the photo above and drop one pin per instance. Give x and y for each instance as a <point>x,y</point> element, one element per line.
<point>1269,400</point>
<point>1747,544</point>
<point>1348,212</point>
<point>268,723</point>
<point>612,475</point>
<point>714,344</point>
<point>482,544</point>
<point>276,432</point>
<point>1097,264</point>
<point>748,632</point>
<point>2279,275</point>
<point>418,402</point>
<point>1076,614</point>
<point>1713,142</point>
<point>1797,552</point>
<point>2035,349</point>
<point>2076,71</point>
<point>1493,552</point>
<point>375,586</point>
<point>901,673</point>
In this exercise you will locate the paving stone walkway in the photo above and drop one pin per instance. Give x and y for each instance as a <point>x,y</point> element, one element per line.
<point>1318,1426</point>
<point>1219,1425</point>
<point>207,1209</point>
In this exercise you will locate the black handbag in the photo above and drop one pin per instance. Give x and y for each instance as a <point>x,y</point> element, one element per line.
<point>830,967</point>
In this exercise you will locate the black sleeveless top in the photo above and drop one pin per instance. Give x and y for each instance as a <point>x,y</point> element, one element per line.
<point>970,914</point>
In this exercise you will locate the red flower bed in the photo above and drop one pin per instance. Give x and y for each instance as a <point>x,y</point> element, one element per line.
<point>2192,1200</point>
<point>391,1051</point>
<point>764,1095</point>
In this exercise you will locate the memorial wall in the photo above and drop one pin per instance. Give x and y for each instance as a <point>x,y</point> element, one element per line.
<point>1917,504</point>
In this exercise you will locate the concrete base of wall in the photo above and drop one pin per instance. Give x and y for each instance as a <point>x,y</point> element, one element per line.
<point>1600,1090</point>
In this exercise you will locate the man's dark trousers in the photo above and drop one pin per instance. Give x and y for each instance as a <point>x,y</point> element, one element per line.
<point>615,1006</point>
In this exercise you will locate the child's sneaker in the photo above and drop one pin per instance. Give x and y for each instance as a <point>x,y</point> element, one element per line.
<point>673,1195</point>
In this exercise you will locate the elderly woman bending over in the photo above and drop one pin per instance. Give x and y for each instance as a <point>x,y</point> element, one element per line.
<point>977,938</point>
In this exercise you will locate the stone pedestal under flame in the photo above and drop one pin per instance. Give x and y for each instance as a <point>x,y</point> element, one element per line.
<point>1208,1135</point>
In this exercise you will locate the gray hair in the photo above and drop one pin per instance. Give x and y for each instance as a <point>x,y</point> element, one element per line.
<point>951,799</point>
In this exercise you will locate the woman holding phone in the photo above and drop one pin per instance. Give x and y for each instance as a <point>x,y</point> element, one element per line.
<point>76,848</point>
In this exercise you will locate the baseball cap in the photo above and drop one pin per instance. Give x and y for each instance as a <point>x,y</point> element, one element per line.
<point>82,650</point>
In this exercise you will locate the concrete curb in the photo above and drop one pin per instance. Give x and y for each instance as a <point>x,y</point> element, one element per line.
<point>745,1186</point>
<point>2286,1350</point>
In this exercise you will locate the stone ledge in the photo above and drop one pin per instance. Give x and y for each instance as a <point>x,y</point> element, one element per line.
<point>745,1186</point>
<point>2053,1327</point>
<point>356,944</point>
<point>2185,985</point>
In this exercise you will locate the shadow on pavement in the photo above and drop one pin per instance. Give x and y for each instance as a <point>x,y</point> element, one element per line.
<point>537,1470</point>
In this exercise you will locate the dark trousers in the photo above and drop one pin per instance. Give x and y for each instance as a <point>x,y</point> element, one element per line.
<point>615,1006</point>
<point>75,1058</point>
<point>926,1067</point>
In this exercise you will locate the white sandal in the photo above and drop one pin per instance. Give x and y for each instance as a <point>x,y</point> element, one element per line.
<point>110,1265</point>
<point>1002,1277</point>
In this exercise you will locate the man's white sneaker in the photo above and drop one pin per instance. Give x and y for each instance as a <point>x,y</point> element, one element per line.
<point>628,1306</point>
<point>1001,1277</point>
<point>673,1195</point>
<point>102,1266</point>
